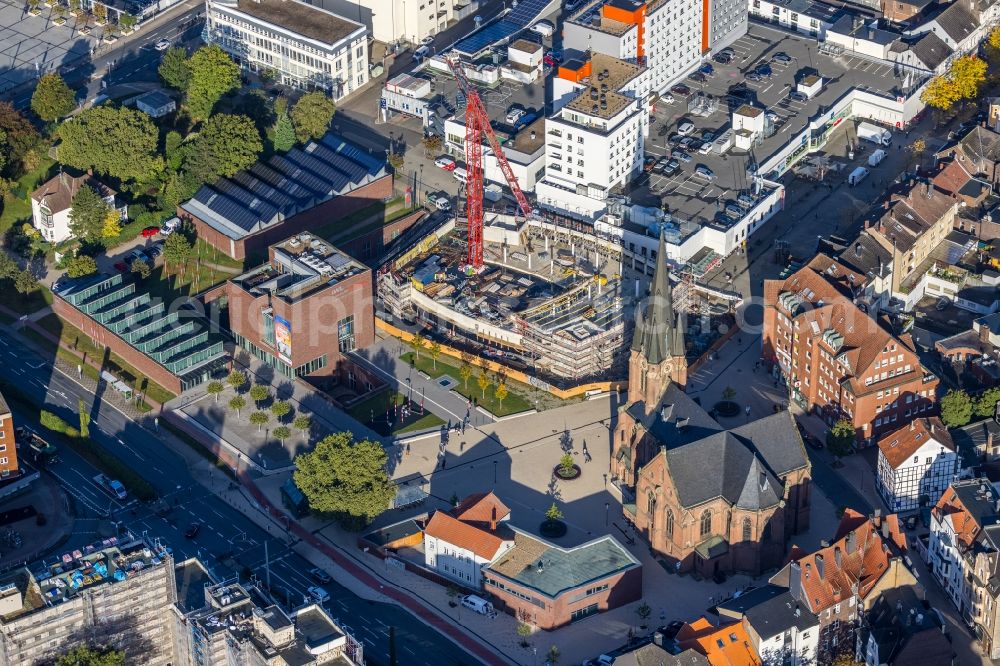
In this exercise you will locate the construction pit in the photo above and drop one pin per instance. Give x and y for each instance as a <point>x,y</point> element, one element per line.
<point>553,302</point>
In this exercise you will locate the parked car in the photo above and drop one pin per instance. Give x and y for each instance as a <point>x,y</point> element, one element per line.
<point>192,530</point>
<point>681,90</point>
<point>121,266</point>
<point>661,165</point>
<point>812,441</point>
<point>672,167</point>
<point>549,60</point>
<point>648,164</point>
<point>154,250</point>
<point>705,148</point>
<point>707,69</point>
<point>318,594</point>
<point>772,116</point>
<point>681,155</point>
<point>685,127</point>
<point>764,71</point>
<point>319,575</point>
<point>441,203</point>
<point>707,135</point>
<point>797,96</point>
<point>704,172</point>
<point>513,115</point>
<point>421,53</point>
<point>445,162</point>
<point>427,41</point>
<point>753,76</point>
<point>781,57</point>
<point>149,232</point>
<point>697,77</point>
<point>723,58</point>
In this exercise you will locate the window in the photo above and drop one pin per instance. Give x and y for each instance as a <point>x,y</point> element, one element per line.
<point>670,523</point>
<point>345,334</point>
<point>268,328</point>
<point>650,503</point>
<point>706,522</point>
<point>747,529</point>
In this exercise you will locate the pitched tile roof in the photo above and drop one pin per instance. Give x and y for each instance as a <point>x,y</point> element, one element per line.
<point>931,50</point>
<point>980,145</point>
<point>468,537</point>
<point>866,255</point>
<point>858,557</point>
<point>967,505</point>
<point>653,655</point>
<point>956,21</point>
<point>822,280</point>
<point>770,610</point>
<point>481,508</point>
<point>952,177</point>
<point>900,445</point>
<point>725,645</point>
<point>57,193</point>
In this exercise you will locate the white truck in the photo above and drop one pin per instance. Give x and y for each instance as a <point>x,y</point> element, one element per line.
<point>857,176</point>
<point>876,158</point>
<point>874,134</point>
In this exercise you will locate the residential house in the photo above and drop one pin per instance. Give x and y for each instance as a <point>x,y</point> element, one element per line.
<point>902,11</point>
<point>653,654</point>
<point>975,350</point>
<point>843,579</point>
<point>782,631</point>
<point>956,24</point>
<point>708,499</point>
<point>459,549</point>
<point>964,557</point>
<point>926,51</point>
<point>838,361</point>
<point>723,645</point>
<point>549,586</point>
<point>901,629</point>
<point>52,203</point>
<point>916,464</point>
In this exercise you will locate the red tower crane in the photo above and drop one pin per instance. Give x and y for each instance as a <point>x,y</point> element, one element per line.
<point>477,123</point>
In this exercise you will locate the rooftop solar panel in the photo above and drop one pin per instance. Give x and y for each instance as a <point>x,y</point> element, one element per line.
<point>260,208</point>
<point>229,209</point>
<point>280,182</point>
<point>279,200</point>
<point>295,174</point>
<point>353,153</point>
<point>526,11</point>
<point>334,179</point>
<point>487,36</point>
<point>354,171</point>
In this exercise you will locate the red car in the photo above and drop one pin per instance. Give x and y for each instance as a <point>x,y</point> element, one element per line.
<point>149,232</point>
<point>549,60</point>
<point>121,267</point>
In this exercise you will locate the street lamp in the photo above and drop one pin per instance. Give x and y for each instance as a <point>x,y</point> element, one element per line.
<point>607,508</point>
<point>494,472</point>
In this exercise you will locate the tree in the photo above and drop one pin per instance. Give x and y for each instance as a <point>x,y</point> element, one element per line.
<point>25,282</point>
<point>74,6</point>
<point>465,371</point>
<point>941,93</point>
<point>100,13</point>
<point>417,343</point>
<point>236,379</point>
<point>87,214</point>
<point>840,437</point>
<point>986,404</point>
<point>500,393</point>
<point>566,464</point>
<point>259,419</point>
<point>259,393</point>
<point>81,266</point>
<point>434,351</point>
<point>968,73</point>
<point>553,655</point>
<point>52,98</point>
<point>88,656</point>
<point>111,226</point>
<point>117,141</point>
<point>396,161</point>
<point>174,69</point>
<point>213,74</point>
<point>284,134</point>
<point>126,22</point>
<point>176,250</point>
<point>33,5</point>
<point>17,139</point>
<point>728,393</point>
<point>236,403</point>
<point>302,423</point>
<point>956,408</point>
<point>643,611</point>
<point>345,478</point>
<point>523,631</point>
<point>141,268</point>
<point>226,144</point>
<point>483,380</point>
<point>281,433</point>
<point>432,144</point>
<point>311,115</point>
<point>845,659</point>
<point>172,143</point>
<point>215,388</point>
<point>280,409</point>
<point>553,513</point>
<point>917,149</point>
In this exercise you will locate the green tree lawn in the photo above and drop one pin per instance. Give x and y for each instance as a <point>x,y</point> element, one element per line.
<point>516,400</point>
<point>381,404</point>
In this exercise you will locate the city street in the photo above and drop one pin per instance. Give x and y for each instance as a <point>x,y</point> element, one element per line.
<point>228,542</point>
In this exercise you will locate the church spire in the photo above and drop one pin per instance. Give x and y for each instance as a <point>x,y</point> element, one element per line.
<point>656,336</point>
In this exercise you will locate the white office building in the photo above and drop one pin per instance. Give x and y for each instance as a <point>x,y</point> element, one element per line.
<point>916,464</point>
<point>300,45</point>
<point>393,21</point>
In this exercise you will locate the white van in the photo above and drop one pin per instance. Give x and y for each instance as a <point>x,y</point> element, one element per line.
<point>543,28</point>
<point>478,604</point>
<point>461,175</point>
<point>857,176</point>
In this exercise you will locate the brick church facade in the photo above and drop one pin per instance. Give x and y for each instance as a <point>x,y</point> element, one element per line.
<point>710,500</point>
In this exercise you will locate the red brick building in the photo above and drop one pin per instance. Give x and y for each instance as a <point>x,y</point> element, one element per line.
<point>838,361</point>
<point>304,310</point>
<point>549,586</point>
<point>8,449</point>
<point>305,188</point>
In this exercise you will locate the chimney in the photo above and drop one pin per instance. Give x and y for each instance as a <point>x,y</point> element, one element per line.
<point>657,639</point>
<point>913,425</point>
<point>819,566</point>
<point>849,543</point>
<point>795,579</point>
<point>493,519</point>
<point>532,135</point>
<point>984,332</point>
<point>885,529</point>
<point>932,427</point>
<point>541,566</point>
<point>837,556</point>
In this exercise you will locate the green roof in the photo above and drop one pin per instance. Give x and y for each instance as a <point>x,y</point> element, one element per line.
<point>553,570</point>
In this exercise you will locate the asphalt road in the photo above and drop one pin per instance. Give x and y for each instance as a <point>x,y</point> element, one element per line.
<point>224,530</point>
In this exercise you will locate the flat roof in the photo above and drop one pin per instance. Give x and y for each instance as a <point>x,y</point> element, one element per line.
<point>298,17</point>
<point>607,76</point>
<point>191,577</point>
<point>553,570</point>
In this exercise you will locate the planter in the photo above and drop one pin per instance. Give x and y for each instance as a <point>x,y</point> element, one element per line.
<point>557,472</point>
<point>59,21</point>
<point>726,408</point>
<point>552,529</point>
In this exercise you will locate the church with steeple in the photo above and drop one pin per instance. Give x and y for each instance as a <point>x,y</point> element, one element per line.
<point>709,499</point>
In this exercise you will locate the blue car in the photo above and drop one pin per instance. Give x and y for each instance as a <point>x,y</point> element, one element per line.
<point>765,71</point>
<point>707,69</point>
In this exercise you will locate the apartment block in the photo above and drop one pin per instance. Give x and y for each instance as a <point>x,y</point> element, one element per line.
<point>916,464</point>
<point>117,592</point>
<point>396,21</point>
<point>303,46</point>
<point>963,554</point>
<point>305,309</point>
<point>837,360</point>
<point>8,450</point>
